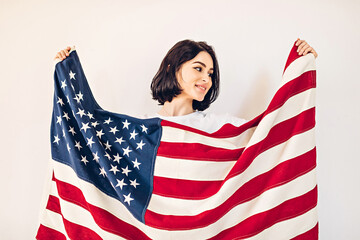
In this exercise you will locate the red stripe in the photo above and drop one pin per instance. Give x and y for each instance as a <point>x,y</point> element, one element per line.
<point>279,175</point>
<point>47,233</point>
<point>197,151</point>
<point>312,234</point>
<point>293,55</point>
<point>261,221</point>
<point>53,204</point>
<point>103,218</point>
<point>187,189</point>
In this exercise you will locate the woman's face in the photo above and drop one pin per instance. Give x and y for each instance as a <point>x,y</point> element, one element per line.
<point>194,76</point>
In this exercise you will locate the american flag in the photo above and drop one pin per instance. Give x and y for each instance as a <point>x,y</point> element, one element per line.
<point>119,177</point>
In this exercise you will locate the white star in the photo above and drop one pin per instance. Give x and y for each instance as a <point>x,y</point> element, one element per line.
<point>134,183</point>
<point>108,156</point>
<point>68,100</point>
<point>84,160</point>
<point>73,113</point>
<point>126,151</point>
<point>96,157</point>
<point>76,97</point>
<point>113,130</point>
<point>72,75</point>
<point>63,84</point>
<point>72,130</point>
<point>120,183</point>
<point>140,144</point>
<point>77,144</point>
<point>136,164</point>
<point>84,126</point>
<point>102,172</point>
<point>81,112</point>
<point>66,116</point>
<point>99,133</point>
<point>90,141</point>
<point>94,124</point>
<point>80,96</point>
<point>117,158</point>
<point>63,132</point>
<point>133,134</point>
<point>72,86</point>
<point>90,115</point>
<point>114,169</point>
<point>108,121</point>
<point>126,124</point>
<point>68,147</point>
<point>57,139</point>
<point>59,120</point>
<point>126,170</point>
<point>144,129</point>
<point>107,145</point>
<point>120,140</point>
<point>127,198</point>
<point>60,101</point>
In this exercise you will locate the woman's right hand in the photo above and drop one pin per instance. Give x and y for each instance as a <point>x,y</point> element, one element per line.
<point>62,54</point>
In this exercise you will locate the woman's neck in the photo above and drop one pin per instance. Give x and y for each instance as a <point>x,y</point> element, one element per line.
<point>177,107</point>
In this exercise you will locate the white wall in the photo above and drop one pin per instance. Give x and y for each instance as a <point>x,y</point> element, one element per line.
<point>121,45</point>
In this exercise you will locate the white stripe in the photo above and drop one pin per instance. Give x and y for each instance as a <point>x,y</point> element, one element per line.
<point>292,107</point>
<point>299,66</point>
<point>232,218</point>
<point>171,134</point>
<point>192,169</point>
<point>54,221</point>
<point>264,162</point>
<point>289,228</point>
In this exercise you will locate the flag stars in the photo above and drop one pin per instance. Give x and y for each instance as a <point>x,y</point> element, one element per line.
<point>136,164</point>
<point>102,172</point>
<point>134,183</point>
<point>80,96</point>
<point>107,146</point>
<point>90,141</point>
<point>113,130</point>
<point>66,116</point>
<point>57,139</point>
<point>117,158</point>
<point>144,129</point>
<point>72,130</point>
<point>90,115</point>
<point>99,133</point>
<point>84,160</point>
<point>77,144</point>
<point>126,124</point>
<point>126,151</point>
<point>96,157</point>
<point>85,126</point>
<point>59,120</point>
<point>126,170</point>
<point>81,112</point>
<point>133,134</point>
<point>120,140</point>
<point>108,156</point>
<point>94,124</point>
<point>72,75</point>
<point>108,121</point>
<point>140,145</point>
<point>114,169</point>
<point>120,184</point>
<point>68,147</point>
<point>63,132</point>
<point>128,199</point>
<point>60,101</point>
<point>63,84</point>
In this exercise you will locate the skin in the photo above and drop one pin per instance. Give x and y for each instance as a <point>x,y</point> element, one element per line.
<point>195,79</point>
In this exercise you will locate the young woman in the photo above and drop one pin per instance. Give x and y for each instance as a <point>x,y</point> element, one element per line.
<point>187,82</point>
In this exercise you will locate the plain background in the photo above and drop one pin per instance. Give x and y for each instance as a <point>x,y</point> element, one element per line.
<point>121,46</point>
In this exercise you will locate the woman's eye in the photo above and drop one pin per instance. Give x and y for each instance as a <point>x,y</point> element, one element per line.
<point>211,74</point>
<point>198,68</point>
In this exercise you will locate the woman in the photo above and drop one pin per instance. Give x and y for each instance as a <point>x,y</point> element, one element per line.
<point>187,82</point>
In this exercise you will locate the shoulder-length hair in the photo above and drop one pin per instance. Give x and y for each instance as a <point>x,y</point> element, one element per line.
<point>164,86</point>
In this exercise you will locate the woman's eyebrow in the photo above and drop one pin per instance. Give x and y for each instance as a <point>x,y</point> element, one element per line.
<point>202,64</point>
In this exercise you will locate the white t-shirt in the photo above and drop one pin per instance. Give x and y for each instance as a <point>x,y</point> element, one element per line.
<point>208,122</point>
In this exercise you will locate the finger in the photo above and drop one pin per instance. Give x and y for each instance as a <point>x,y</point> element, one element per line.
<point>302,48</point>
<point>62,54</point>
<point>297,41</point>
<point>307,50</point>
<point>314,52</point>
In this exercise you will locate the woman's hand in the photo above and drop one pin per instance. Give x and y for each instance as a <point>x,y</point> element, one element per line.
<point>304,48</point>
<point>62,54</point>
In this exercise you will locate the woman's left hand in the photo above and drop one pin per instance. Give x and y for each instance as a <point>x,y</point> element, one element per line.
<point>304,48</point>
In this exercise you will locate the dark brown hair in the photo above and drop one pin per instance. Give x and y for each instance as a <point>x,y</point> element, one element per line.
<point>164,86</point>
